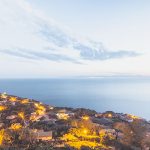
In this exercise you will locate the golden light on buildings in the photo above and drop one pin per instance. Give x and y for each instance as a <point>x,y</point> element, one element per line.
<point>13,99</point>
<point>133,117</point>
<point>85,117</point>
<point>63,116</point>
<point>1,136</point>
<point>21,115</point>
<point>39,106</point>
<point>2,108</point>
<point>40,112</point>
<point>36,104</point>
<point>78,137</point>
<point>24,101</point>
<point>40,109</point>
<point>110,115</point>
<point>16,126</point>
<point>33,117</point>
<point>85,131</point>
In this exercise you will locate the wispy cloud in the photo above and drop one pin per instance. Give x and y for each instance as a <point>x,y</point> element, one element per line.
<point>54,35</point>
<point>30,54</point>
<point>30,31</point>
<point>100,53</point>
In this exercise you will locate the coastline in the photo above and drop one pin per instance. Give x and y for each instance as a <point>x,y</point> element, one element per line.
<point>118,95</point>
<point>67,128</point>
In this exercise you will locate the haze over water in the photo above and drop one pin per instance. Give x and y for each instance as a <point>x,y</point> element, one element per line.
<point>119,94</point>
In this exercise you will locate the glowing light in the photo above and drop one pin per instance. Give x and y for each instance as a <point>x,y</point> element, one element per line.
<point>21,115</point>
<point>16,126</point>
<point>40,112</point>
<point>13,99</point>
<point>78,137</point>
<point>63,116</point>
<point>39,106</point>
<point>40,109</point>
<point>85,117</point>
<point>24,101</point>
<point>133,117</point>
<point>1,136</point>
<point>2,108</point>
<point>110,115</point>
<point>85,131</point>
<point>33,118</point>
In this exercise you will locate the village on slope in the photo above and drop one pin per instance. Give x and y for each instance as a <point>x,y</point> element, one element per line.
<point>30,124</point>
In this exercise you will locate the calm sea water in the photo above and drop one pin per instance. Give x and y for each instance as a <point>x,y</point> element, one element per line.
<point>127,95</point>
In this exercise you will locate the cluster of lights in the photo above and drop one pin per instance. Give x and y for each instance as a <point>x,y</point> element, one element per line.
<point>39,106</point>
<point>63,116</point>
<point>13,99</point>
<point>40,110</point>
<point>16,126</point>
<point>85,118</point>
<point>24,101</point>
<point>79,137</point>
<point>132,116</point>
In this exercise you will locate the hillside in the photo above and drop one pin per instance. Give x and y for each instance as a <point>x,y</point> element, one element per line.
<point>29,124</point>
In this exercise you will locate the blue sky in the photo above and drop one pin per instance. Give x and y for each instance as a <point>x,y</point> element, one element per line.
<point>54,38</point>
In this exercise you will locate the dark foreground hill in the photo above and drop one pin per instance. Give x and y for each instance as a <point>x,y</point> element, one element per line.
<point>27,124</point>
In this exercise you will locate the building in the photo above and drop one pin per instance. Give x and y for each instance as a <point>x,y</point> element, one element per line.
<point>64,114</point>
<point>44,136</point>
<point>11,117</point>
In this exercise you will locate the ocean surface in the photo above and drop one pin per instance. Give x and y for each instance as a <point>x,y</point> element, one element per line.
<point>119,94</point>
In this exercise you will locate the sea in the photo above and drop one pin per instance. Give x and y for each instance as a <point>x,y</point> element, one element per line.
<point>119,94</point>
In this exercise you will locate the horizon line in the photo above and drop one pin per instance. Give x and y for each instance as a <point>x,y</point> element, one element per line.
<point>78,77</point>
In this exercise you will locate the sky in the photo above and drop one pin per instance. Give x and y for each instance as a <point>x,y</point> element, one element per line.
<point>61,38</point>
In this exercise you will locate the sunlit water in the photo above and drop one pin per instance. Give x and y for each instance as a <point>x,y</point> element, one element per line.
<point>127,95</point>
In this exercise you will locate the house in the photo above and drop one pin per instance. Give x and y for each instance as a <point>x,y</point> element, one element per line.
<point>44,136</point>
<point>98,115</point>
<point>51,107</point>
<point>3,95</point>
<point>110,114</point>
<point>108,131</point>
<point>64,114</point>
<point>11,117</point>
<point>35,117</point>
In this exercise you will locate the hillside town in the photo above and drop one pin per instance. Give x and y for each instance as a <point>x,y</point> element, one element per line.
<point>27,124</point>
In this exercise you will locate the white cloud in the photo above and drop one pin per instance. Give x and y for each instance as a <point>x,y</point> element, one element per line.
<point>34,41</point>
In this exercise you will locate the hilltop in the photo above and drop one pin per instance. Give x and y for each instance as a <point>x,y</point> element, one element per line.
<point>27,124</point>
